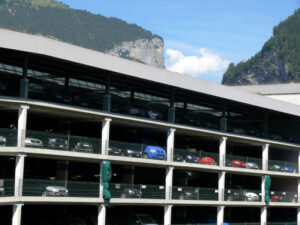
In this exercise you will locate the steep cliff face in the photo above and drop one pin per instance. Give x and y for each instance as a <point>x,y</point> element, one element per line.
<point>277,62</point>
<point>150,52</point>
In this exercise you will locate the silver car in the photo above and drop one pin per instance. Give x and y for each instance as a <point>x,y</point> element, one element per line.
<point>56,191</point>
<point>252,165</point>
<point>2,141</point>
<point>34,143</point>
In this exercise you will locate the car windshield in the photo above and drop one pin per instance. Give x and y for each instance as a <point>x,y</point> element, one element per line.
<point>146,219</point>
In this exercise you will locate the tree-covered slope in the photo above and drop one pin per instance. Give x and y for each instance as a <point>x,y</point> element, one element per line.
<point>277,62</point>
<point>54,19</point>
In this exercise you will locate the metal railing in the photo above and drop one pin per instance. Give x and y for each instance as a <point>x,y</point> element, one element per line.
<point>64,142</point>
<point>195,193</point>
<point>137,191</point>
<point>193,156</point>
<point>243,162</point>
<point>60,188</point>
<point>136,150</point>
<point>242,195</point>
<point>282,166</point>
<point>8,137</point>
<point>283,196</point>
<point>7,187</point>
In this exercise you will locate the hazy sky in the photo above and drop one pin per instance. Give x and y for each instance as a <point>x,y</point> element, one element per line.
<point>201,36</point>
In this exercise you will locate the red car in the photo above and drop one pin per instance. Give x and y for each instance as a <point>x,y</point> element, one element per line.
<point>207,160</point>
<point>238,163</point>
<point>276,198</point>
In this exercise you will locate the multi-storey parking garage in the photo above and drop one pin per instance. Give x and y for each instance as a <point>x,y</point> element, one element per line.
<point>182,150</point>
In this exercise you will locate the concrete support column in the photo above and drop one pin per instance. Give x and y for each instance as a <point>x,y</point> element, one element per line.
<point>221,186</point>
<point>105,135</point>
<point>170,144</point>
<point>17,214</point>
<point>24,82</point>
<point>220,215</point>
<point>298,161</point>
<point>298,191</point>
<point>298,216</point>
<point>265,157</point>
<point>222,151</point>
<point>101,214</point>
<point>169,182</point>
<point>19,174</point>
<point>263,216</point>
<point>263,188</point>
<point>22,121</point>
<point>168,214</point>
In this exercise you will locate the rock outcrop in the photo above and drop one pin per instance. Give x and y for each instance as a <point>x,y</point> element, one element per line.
<point>147,51</point>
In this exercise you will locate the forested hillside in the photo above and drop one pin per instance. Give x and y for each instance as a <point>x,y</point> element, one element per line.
<point>277,62</point>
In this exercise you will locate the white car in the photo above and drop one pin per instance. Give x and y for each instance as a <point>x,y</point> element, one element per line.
<point>56,191</point>
<point>34,143</point>
<point>252,165</point>
<point>2,141</point>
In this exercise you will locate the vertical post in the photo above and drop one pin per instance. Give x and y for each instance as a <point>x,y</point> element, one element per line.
<point>169,182</point>
<point>263,188</point>
<point>105,135</point>
<point>221,186</point>
<point>298,191</point>
<point>171,110</point>
<point>22,121</point>
<point>24,83</point>
<point>168,215</point>
<point>101,214</point>
<point>17,214</point>
<point>298,162</point>
<point>220,215</point>
<point>223,121</point>
<point>100,183</point>
<point>298,216</point>
<point>19,174</point>
<point>265,157</point>
<point>222,151</point>
<point>263,215</point>
<point>107,96</point>
<point>170,144</point>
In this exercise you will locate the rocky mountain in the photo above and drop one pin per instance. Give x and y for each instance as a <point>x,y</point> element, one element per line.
<point>277,62</point>
<point>56,20</point>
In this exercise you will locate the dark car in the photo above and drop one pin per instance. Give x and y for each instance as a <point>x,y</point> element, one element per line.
<point>2,191</point>
<point>130,192</point>
<point>3,89</point>
<point>114,151</point>
<point>131,110</point>
<point>190,158</point>
<point>58,143</point>
<point>131,153</point>
<point>83,146</point>
<point>276,167</point>
<point>189,195</point>
<point>177,158</point>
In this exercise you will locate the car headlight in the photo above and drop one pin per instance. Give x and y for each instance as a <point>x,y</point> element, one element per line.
<point>129,151</point>
<point>189,157</point>
<point>152,150</point>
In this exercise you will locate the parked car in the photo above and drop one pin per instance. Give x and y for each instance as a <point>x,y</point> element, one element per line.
<point>189,195</point>
<point>154,114</point>
<point>276,167</point>
<point>252,165</point>
<point>276,197</point>
<point>130,192</point>
<point>152,150</point>
<point>33,143</point>
<point>56,191</point>
<point>236,163</point>
<point>132,153</point>
<point>2,191</point>
<point>191,158</point>
<point>140,219</point>
<point>131,110</point>
<point>207,160</point>
<point>239,193</point>
<point>114,151</point>
<point>177,158</point>
<point>288,169</point>
<point>58,143</point>
<point>83,146</point>
<point>2,141</point>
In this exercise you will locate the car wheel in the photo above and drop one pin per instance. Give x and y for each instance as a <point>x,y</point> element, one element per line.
<point>145,156</point>
<point>123,195</point>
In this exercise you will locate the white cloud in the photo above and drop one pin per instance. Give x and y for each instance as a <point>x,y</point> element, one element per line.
<point>208,63</point>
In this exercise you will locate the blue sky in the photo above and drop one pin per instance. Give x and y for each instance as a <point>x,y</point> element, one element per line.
<point>201,36</point>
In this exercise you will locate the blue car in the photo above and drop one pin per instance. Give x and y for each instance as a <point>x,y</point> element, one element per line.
<point>151,150</point>
<point>288,169</point>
